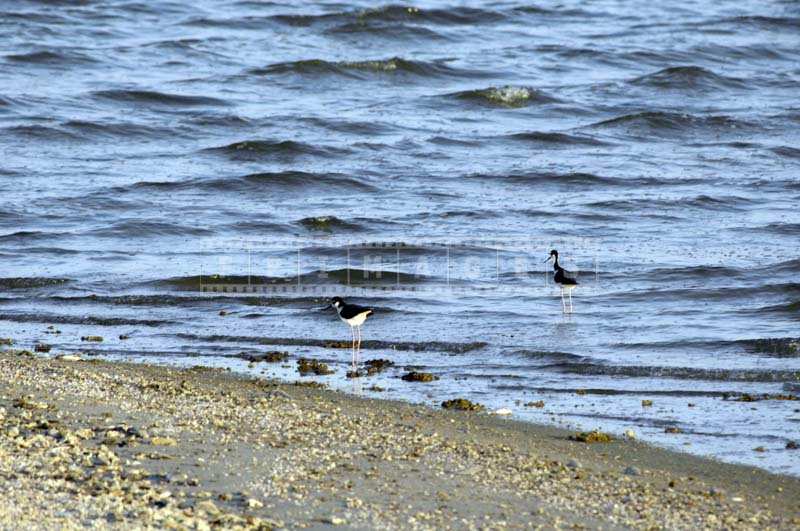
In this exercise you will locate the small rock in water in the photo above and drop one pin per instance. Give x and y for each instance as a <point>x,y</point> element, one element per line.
<point>647,403</point>
<point>537,404</point>
<point>632,471</point>
<point>630,434</point>
<point>41,347</point>
<point>68,357</point>
<point>792,445</point>
<point>94,339</point>
<point>759,449</point>
<point>6,341</point>
<point>672,429</point>
<point>415,376</point>
<point>502,411</point>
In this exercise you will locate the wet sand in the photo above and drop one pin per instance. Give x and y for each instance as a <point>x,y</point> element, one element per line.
<point>92,443</point>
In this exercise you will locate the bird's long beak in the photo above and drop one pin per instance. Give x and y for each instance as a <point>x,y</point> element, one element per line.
<point>548,258</point>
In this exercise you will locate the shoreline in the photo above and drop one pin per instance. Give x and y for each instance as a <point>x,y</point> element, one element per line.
<point>102,442</point>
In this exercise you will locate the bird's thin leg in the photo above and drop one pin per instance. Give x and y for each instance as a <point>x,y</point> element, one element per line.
<point>570,301</point>
<point>353,352</point>
<point>358,347</point>
<point>563,302</point>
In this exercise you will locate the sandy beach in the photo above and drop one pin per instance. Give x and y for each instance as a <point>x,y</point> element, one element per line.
<point>110,445</point>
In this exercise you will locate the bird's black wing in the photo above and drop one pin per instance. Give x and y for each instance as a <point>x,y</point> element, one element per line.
<point>562,278</point>
<point>351,310</point>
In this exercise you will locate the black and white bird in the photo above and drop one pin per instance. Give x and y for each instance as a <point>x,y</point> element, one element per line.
<point>560,277</point>
<point>354,316</point>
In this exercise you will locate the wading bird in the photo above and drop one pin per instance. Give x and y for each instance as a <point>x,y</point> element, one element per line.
<point>560,277</point>
<point>354,316</point>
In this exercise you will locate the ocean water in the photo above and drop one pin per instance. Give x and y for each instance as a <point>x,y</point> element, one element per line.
<point>163,162</point>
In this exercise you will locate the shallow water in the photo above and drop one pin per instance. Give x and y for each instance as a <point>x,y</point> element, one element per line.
<point>149,146</point>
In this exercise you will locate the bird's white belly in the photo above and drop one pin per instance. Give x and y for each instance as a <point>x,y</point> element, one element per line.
<point>358,320</point>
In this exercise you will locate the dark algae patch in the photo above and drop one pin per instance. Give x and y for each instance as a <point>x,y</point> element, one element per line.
<point>415,376</point>
<point>273,356</point>
<point>747,397</point>
<point>377,365</point>
<point>462,404</point>
<point>306,366</point>
<point>590,437</point>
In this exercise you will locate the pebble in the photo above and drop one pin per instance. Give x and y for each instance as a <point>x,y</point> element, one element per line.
<point>632,471</point>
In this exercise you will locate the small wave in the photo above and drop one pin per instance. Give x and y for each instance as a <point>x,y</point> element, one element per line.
<point>26,236</point>
<point>790,309</point>
<point>31,282</point>
<point>118,129</point>
<point>233,23</point>
<point>786,151</point>
<point>256,227</point>
<point>358,69</point>
<point>341,277</point>
<point>704,202</point>
<point>761,21</point>
<point>171,300</point>
<point>422,346</point>
<point>280,149</point>
<point>788,229</point>
<point>789,266</point>
<point>348,126</point>
<point>456,15</point>
<point>548,356</point>
<point>687,77</point>
<point>679,373</point>
<point>40,132</point>
<point>80,320</point>
<point>255,183</point>
<point>778,347</point>
<point>540,137</point>
<point>50,58</point>
<point>149,97</point>
<point>505,96</point>
<point>666,274</point>
<point>149,229</point>
<point>656,122</point>
<point>575,179</point>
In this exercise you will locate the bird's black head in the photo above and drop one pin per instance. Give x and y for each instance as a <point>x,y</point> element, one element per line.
<point>336,302</point>
<point>552,254</point>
